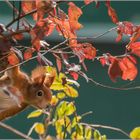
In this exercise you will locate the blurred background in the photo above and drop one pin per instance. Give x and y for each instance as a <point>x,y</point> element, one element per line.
<point>110,107</point>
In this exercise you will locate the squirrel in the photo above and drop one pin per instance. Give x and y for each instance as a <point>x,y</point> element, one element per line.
<point>18,90</point>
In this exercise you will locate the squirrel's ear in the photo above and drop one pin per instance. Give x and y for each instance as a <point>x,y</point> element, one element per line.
<point>49,80</point>
<point>39,80</point>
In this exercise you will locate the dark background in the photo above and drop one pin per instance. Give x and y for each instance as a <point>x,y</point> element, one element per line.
<point>110,107</point>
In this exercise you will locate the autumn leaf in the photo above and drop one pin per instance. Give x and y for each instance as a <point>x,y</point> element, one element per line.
<point>89,51</point>
<point>54,100</point>
<point>13,59</point>
<point>135,133</point>
<point>74,75</point>
<point>112,13</point>
<point>71,92</point>
<point>39,128</point>
<point>135,48</point>
<point>88,1</point>
<point>19,36</point>
<point>28,53</point>
<point>85,51</point>
<point>127,28</point>
<point>63,28</point>
<point>35,114</point>
<point>74,13</point>
<point>128,68</point>
<point>41,29</point>
<point>28,6</point>
<point>114,70</point>
<point>59,64</point>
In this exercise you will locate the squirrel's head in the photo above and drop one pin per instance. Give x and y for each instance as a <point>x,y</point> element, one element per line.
<point>39,93</point>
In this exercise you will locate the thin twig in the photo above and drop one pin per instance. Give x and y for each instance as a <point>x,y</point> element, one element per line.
<point>19,64</point>
<point>106,127</point>
<point>22,135</point>
<point>16,11</point>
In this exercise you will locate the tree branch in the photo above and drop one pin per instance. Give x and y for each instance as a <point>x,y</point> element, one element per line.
<point>22,135</point>
<point>106,127</point>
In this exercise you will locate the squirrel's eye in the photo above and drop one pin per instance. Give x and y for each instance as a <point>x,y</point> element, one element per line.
<point>40,93</point>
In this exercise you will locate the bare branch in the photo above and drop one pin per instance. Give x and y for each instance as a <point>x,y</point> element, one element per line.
<point>22,135</point>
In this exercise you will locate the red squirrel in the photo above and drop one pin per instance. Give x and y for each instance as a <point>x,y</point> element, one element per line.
<point>18,90</point>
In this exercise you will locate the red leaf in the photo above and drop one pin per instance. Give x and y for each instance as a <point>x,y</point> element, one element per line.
<point>135,48</point>
<point>127,28</point>
<point>88,1</point>
<point>41,29</point>
<point>113,15</point>
<point>119,37</point>
<point>74,75</point>
<point>89,51</point>
<point>85,50</point>
<point>13,59</point>
<point>43,7</point>
<point>63,28</point>
<point>114,70</point>
<point>74,13</point>
<point>28,53</point>
<point>59,64</point>
<point>28,6</point>
<point>128,68</point>
<point>19,36</point>
<point>102,61</point>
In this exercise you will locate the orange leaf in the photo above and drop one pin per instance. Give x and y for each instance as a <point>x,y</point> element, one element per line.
<point>113,15</point>
<point>28,53</point>
<point>135,48</point>
<point>41,29</point>
<point>28,6</point>
<point>74,13</point>
<point>89,51</point>
<point>114,70</point>
<point>128,68</point>
<point>59,64</point>
<point>13,59</point>
<point>74,75</point>
<point>18,36</point>
<point>88,1</point>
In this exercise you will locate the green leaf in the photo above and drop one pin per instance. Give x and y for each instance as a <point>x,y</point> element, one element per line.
<point>70,91</point>
<point>135,133</point>
<point>35,113</point>
<point>70,109</point>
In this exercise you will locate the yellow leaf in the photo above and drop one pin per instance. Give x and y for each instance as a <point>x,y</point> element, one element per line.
<point>71,92</point>
<point>35,113</point>
<point>61,95</point>
<point>135,133</point>
<point>39,128</point>
<point>57,86</point>
<point>70,109</point>
<point>54,100</point>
